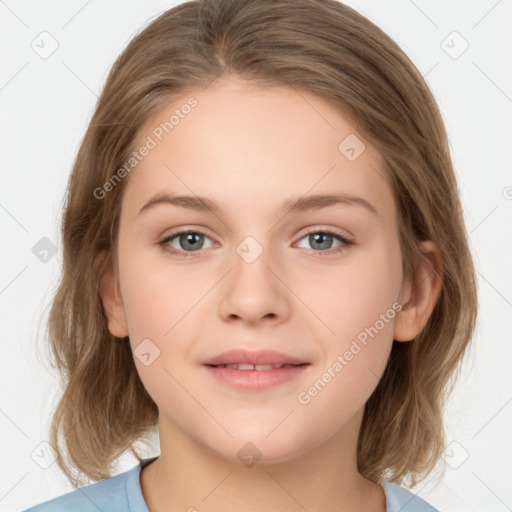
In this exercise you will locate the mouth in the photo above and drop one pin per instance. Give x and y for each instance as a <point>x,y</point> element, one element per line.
<point>254,371</point>
<point>256,367</point>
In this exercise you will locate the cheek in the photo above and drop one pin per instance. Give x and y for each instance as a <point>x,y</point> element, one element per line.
<point>352,296</point>
<point>162,303</point>
<point>358,305</point>
<point>158,294</point>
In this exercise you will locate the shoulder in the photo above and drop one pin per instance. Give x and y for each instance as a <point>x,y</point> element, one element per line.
<point>403,500</point>
<point>109,494</point>
<point>116,494</point>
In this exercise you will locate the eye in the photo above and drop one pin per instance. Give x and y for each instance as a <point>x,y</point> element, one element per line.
<point>189,242</point>
<point>321,241</point>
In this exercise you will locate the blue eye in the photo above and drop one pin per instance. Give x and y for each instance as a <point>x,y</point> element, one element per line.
<point>324,239</point>
<point>191,242</point>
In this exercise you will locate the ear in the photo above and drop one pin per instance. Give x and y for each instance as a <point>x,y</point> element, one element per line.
<point>420,297</point>
<point>112,303</point>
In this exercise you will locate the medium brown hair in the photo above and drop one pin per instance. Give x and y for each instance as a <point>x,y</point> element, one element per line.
<point>319,46</point>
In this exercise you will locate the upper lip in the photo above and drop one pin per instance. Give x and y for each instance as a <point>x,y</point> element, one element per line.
<point>241,356</point>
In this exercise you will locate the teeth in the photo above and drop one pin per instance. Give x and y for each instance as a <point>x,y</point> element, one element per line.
<point>243,366</point>
<point>257,367</point>
<point>260,367</point>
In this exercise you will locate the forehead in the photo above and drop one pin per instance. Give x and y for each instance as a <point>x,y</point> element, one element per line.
<point>242,144</point>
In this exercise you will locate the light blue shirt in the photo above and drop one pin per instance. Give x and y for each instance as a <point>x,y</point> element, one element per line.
<point>122,493</point>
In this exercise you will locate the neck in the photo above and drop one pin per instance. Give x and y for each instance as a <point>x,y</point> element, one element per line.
<point>189,476</point>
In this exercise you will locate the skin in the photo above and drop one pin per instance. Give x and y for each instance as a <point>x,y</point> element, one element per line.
<point>248,149</point>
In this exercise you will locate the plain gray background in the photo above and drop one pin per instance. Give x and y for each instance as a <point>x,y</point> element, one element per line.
<point>46,102</point>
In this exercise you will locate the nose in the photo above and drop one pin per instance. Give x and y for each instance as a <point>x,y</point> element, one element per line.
<point>254,291</point>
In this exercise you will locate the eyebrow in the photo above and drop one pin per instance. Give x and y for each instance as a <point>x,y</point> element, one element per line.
<point>292,204</point>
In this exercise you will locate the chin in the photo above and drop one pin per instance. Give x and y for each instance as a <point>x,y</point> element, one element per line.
<point>257,448</point>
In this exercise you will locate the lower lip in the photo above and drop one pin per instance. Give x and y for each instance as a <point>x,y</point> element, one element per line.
<point>256,380</point>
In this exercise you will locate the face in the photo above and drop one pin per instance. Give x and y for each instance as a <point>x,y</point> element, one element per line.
<point>318,283</point>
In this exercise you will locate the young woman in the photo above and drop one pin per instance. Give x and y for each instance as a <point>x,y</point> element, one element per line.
<point>265,260</point>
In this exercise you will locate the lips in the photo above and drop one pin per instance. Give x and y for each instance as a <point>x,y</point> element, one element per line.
<point>254,371</point>
<point>257,367</point>
<point>260,358</point>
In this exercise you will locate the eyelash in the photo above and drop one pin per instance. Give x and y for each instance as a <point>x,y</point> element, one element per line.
<point>346,243</point>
